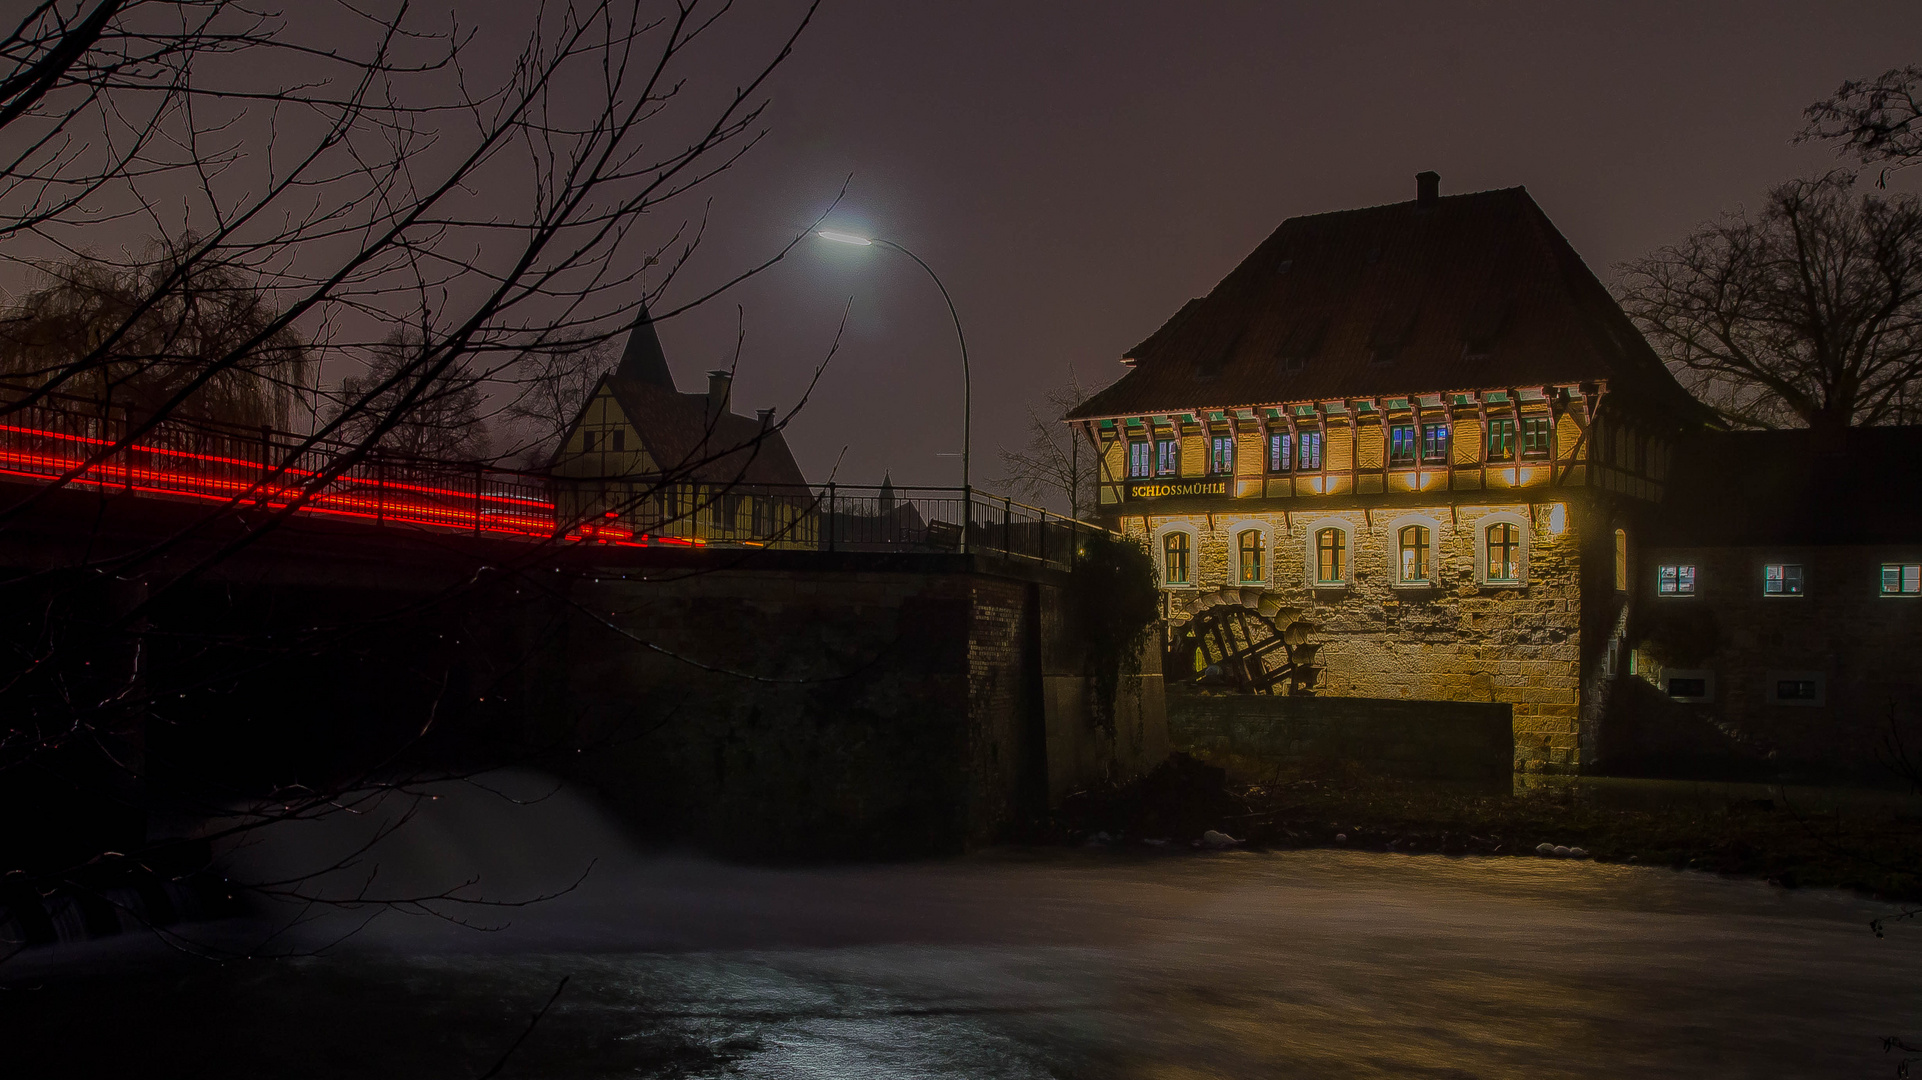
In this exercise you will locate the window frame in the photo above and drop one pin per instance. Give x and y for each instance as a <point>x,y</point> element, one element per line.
<point>1522,545</point>
<point>1542,426</point>
<point>1168,457</point>
<point>1424,546</point>
<point>1344,554</point>
<point>1404,445</point>
<point>1304,440</point>
<point>1501,432</point>
<point>1264,553</point>
<point>1772,689</point>
<point>1191,549</point>
<point>1281,453</point>
<point>1145,468</point>
<point>1434,444</point>
<point>1216,458</point>
<point>1799,578</point>
<point>1908,580</point>
<point>1684,579</point>
<point>1705,676</point>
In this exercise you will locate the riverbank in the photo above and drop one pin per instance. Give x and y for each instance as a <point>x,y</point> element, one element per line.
<point>1867,841</point>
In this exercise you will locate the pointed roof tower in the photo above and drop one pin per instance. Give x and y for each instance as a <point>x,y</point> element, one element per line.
<point>643,360</point>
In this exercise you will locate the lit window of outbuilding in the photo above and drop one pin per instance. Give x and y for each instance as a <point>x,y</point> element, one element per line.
<point>1174,562</point>
<point>1901,579</point>
<point>1782,579</point>
<point>1675,580</point>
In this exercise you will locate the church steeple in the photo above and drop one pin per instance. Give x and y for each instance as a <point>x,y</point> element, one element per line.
<point>643,360</point>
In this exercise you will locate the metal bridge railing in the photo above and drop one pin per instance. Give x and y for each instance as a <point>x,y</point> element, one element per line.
<point>79,441</point>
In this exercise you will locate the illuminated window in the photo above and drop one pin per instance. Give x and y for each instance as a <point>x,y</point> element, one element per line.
<point>1221,455</point>
<point>1782,579</point>
<point>1621,560</point>
<point>1901,579</point>
<point>1141,460</point>
<point>1414,553</point>
<point>1401,444</point>
<point>1501,440</point>
<point>1280,452</point>
<point>1331,556</point>
<point>1167,457</point>
<point>1174,560</point>
<point>1535,433</point>
<point>1434,444</point>
<point>1251,546</point>
<point>1675,580</point>
<point>1504,550</point>
<point>1310,451</point>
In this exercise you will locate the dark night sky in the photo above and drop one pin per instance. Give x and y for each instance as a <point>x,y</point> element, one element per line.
<point>1075,171</point>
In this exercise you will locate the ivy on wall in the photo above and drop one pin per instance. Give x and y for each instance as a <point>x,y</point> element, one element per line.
<point>1117,605</point>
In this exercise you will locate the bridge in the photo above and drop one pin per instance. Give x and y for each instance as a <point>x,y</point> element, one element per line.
<point>890,670</point>
<point>58,440</point>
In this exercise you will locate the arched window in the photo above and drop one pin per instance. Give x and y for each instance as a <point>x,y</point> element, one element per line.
<point>1504,552</point>
<point>1331,556</point>
<point>1251,545</point>
<point>1621,560</point>
<point>1414,553</point>
<point>1174,561</point>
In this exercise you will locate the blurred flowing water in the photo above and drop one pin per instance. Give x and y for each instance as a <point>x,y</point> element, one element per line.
<point>1025,964</point>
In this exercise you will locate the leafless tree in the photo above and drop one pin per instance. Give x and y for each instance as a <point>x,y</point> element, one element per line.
<point>444,422</point>
<point>168,336</point>
<point>1053,467</point>
<point>1876,121</point>
<point>1806,312</point>
<point>553,385</point>
<point>384,190</point>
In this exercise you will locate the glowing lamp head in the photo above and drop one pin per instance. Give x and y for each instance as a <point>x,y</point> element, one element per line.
<point>844,238</point>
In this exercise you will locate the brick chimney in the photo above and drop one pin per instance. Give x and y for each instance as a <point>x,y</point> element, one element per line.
<point>1427,189</point>
<point>718,385</point>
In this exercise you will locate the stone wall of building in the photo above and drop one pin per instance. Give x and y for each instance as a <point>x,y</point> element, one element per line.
<point>1460,741</point>
<point>1858,645</point>
<point>1459,639</point>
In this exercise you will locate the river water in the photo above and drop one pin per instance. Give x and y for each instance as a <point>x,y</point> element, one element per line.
<point>1087,963</point>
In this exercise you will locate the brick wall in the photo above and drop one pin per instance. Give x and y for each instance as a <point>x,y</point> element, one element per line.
<point>1460,741</point>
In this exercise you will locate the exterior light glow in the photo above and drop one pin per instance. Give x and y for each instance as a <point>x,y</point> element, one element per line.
<point>1557,519</point>
<point>845,238</point>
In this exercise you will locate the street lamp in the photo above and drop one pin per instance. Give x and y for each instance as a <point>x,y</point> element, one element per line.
<point>967,386</point>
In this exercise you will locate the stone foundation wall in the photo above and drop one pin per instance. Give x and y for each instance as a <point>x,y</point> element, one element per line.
<point>1460,741</point>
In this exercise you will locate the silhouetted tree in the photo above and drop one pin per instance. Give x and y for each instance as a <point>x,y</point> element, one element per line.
<point>143,342</point>
<point>442,421</point>
<point>1806,312</point>
<point>1053,467</point>
<point>1876,121</point>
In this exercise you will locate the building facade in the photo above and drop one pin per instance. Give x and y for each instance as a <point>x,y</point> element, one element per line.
<point>1423,429</point>
<point>643,462</point>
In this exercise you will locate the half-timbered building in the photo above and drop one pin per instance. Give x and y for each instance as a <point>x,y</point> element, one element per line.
<point>643,461</point>
<point>1424,428</point>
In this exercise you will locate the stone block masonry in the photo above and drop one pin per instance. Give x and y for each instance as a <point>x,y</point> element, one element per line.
<point>1458,741</point>
<point>1458,638</point>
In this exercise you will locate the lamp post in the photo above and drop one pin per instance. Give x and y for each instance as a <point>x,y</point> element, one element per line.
<point>967,383</point>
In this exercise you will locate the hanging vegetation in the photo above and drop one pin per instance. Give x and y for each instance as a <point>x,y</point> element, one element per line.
<point>1116,604</point>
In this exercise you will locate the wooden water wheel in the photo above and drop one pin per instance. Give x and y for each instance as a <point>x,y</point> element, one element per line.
<point>1254,655</point>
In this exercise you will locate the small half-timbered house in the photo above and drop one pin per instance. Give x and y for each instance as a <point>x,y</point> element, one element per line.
<point>643,460</point>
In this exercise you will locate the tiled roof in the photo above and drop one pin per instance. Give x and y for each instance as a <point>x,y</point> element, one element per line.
<point>676,430</point>
<point>1750,488</point>
<point>1470,292</point>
